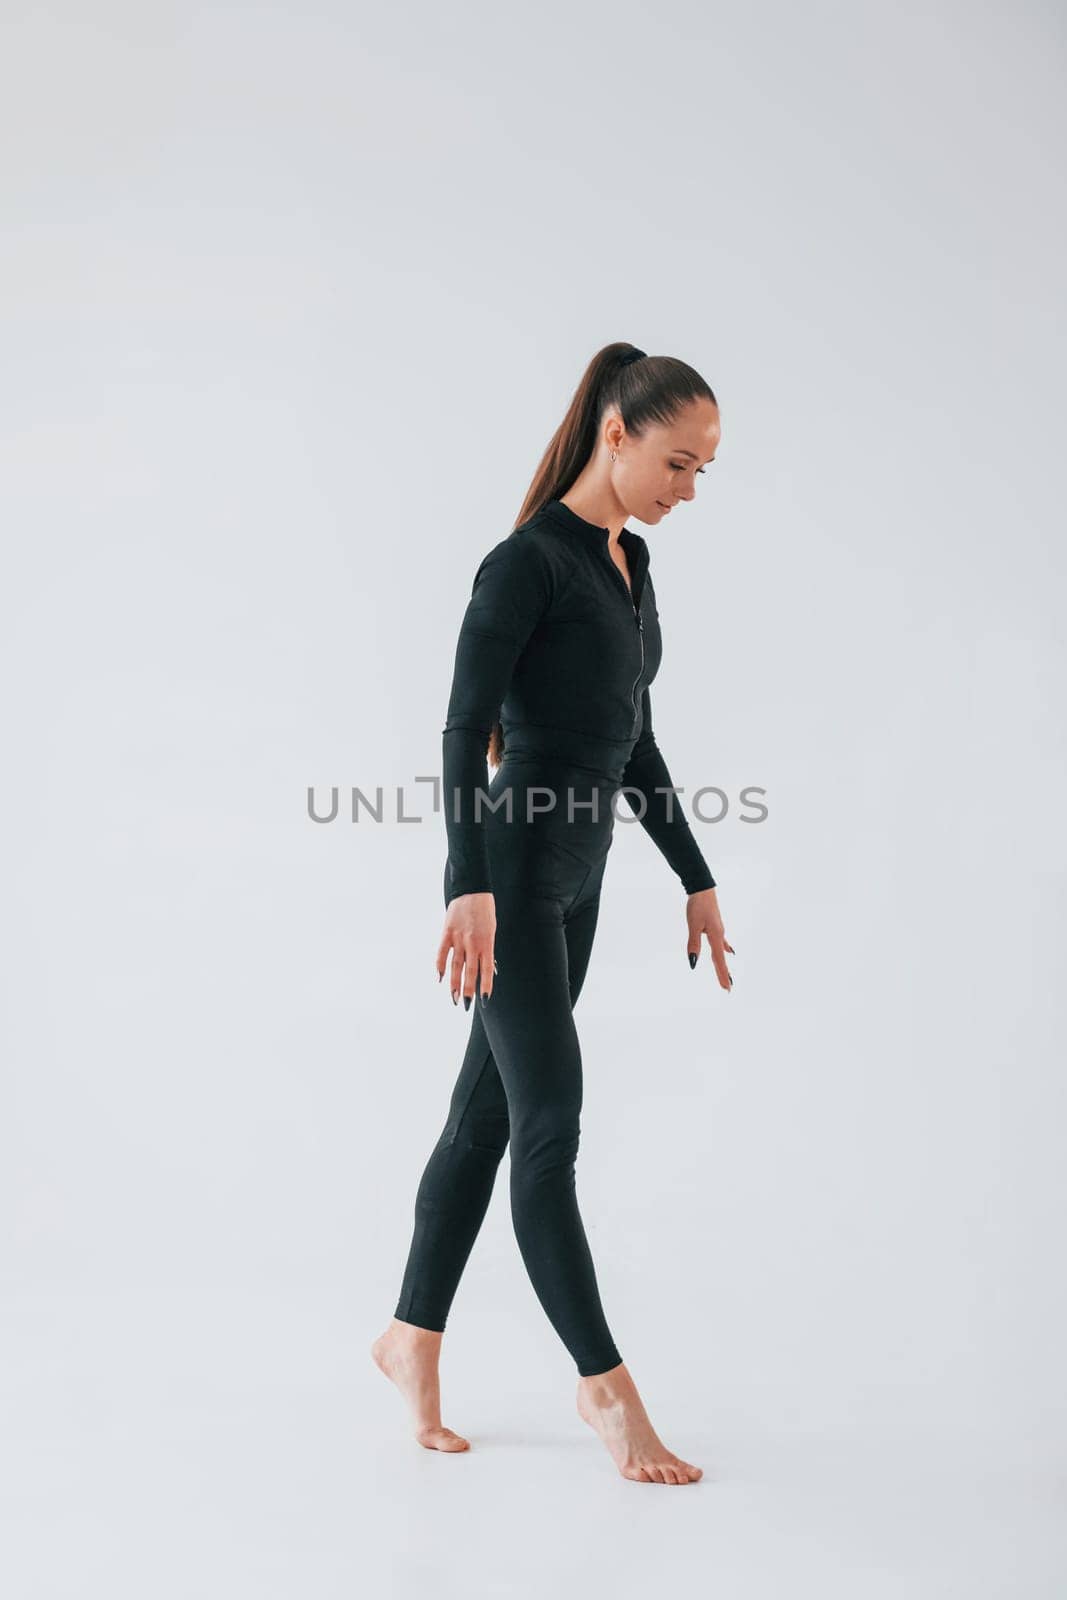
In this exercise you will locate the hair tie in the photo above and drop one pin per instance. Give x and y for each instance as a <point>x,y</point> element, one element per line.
<point>632,355</point>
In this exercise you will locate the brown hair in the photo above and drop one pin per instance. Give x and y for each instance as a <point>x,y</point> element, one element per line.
<point>644,389</point>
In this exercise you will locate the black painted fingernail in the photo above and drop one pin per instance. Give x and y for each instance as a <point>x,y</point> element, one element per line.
<point>692,960</point>
<point>455,999</point>
<point>485,1000</point>
<point>440,975</point>
<point>466,1002</point>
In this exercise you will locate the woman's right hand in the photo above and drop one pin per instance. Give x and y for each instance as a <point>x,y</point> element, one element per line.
<point>470,933</point>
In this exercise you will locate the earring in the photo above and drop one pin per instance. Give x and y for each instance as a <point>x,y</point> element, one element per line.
<point>613,455</point>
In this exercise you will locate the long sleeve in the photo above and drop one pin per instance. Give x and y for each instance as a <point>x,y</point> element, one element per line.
<point>646,771</point>
<point>512,589</point>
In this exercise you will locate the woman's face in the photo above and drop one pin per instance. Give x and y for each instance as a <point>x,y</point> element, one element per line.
<point>654,472</point>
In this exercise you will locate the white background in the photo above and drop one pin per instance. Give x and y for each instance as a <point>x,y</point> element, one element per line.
<point>292,300</point>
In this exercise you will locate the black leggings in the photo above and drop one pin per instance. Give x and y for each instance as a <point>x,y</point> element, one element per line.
<point>521,1077</point>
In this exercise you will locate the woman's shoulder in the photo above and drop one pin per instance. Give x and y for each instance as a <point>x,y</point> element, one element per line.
<point>534,552</point>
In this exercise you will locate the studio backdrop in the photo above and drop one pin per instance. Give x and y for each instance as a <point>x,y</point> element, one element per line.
<point>294,299</point>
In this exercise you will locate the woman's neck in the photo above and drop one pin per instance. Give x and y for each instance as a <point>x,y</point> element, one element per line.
<point>598,505</point>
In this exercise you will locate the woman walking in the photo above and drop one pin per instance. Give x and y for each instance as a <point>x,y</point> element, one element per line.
<point>557,648</point>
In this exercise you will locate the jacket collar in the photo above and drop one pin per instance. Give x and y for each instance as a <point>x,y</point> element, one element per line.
<point>636,548</point>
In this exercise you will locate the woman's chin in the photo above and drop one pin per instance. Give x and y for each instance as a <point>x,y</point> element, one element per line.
<point>653,515</point>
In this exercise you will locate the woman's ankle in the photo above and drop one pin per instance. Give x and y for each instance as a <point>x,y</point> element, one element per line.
<point>414,1333</point>
<point>607,1383</point>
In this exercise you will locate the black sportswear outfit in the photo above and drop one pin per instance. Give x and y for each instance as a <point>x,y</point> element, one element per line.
<point>553,644</point>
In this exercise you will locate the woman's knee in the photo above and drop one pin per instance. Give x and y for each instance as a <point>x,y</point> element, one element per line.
<point>546,1141</point>
<point>489,1130</point>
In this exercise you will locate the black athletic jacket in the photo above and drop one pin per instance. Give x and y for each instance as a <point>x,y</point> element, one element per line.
<point>553,647</point>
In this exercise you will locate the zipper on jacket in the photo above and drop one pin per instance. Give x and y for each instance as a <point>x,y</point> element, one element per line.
<point>637,680</point>
<point>634,606</point>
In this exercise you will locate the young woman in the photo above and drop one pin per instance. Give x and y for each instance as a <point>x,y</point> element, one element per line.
<point>560,641</point>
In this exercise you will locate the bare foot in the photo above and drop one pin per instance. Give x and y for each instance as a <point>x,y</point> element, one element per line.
<point>409,1356</point>
<point>611,1405</point>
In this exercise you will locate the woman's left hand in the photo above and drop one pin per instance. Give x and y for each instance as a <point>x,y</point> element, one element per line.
<point>703,916</point>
